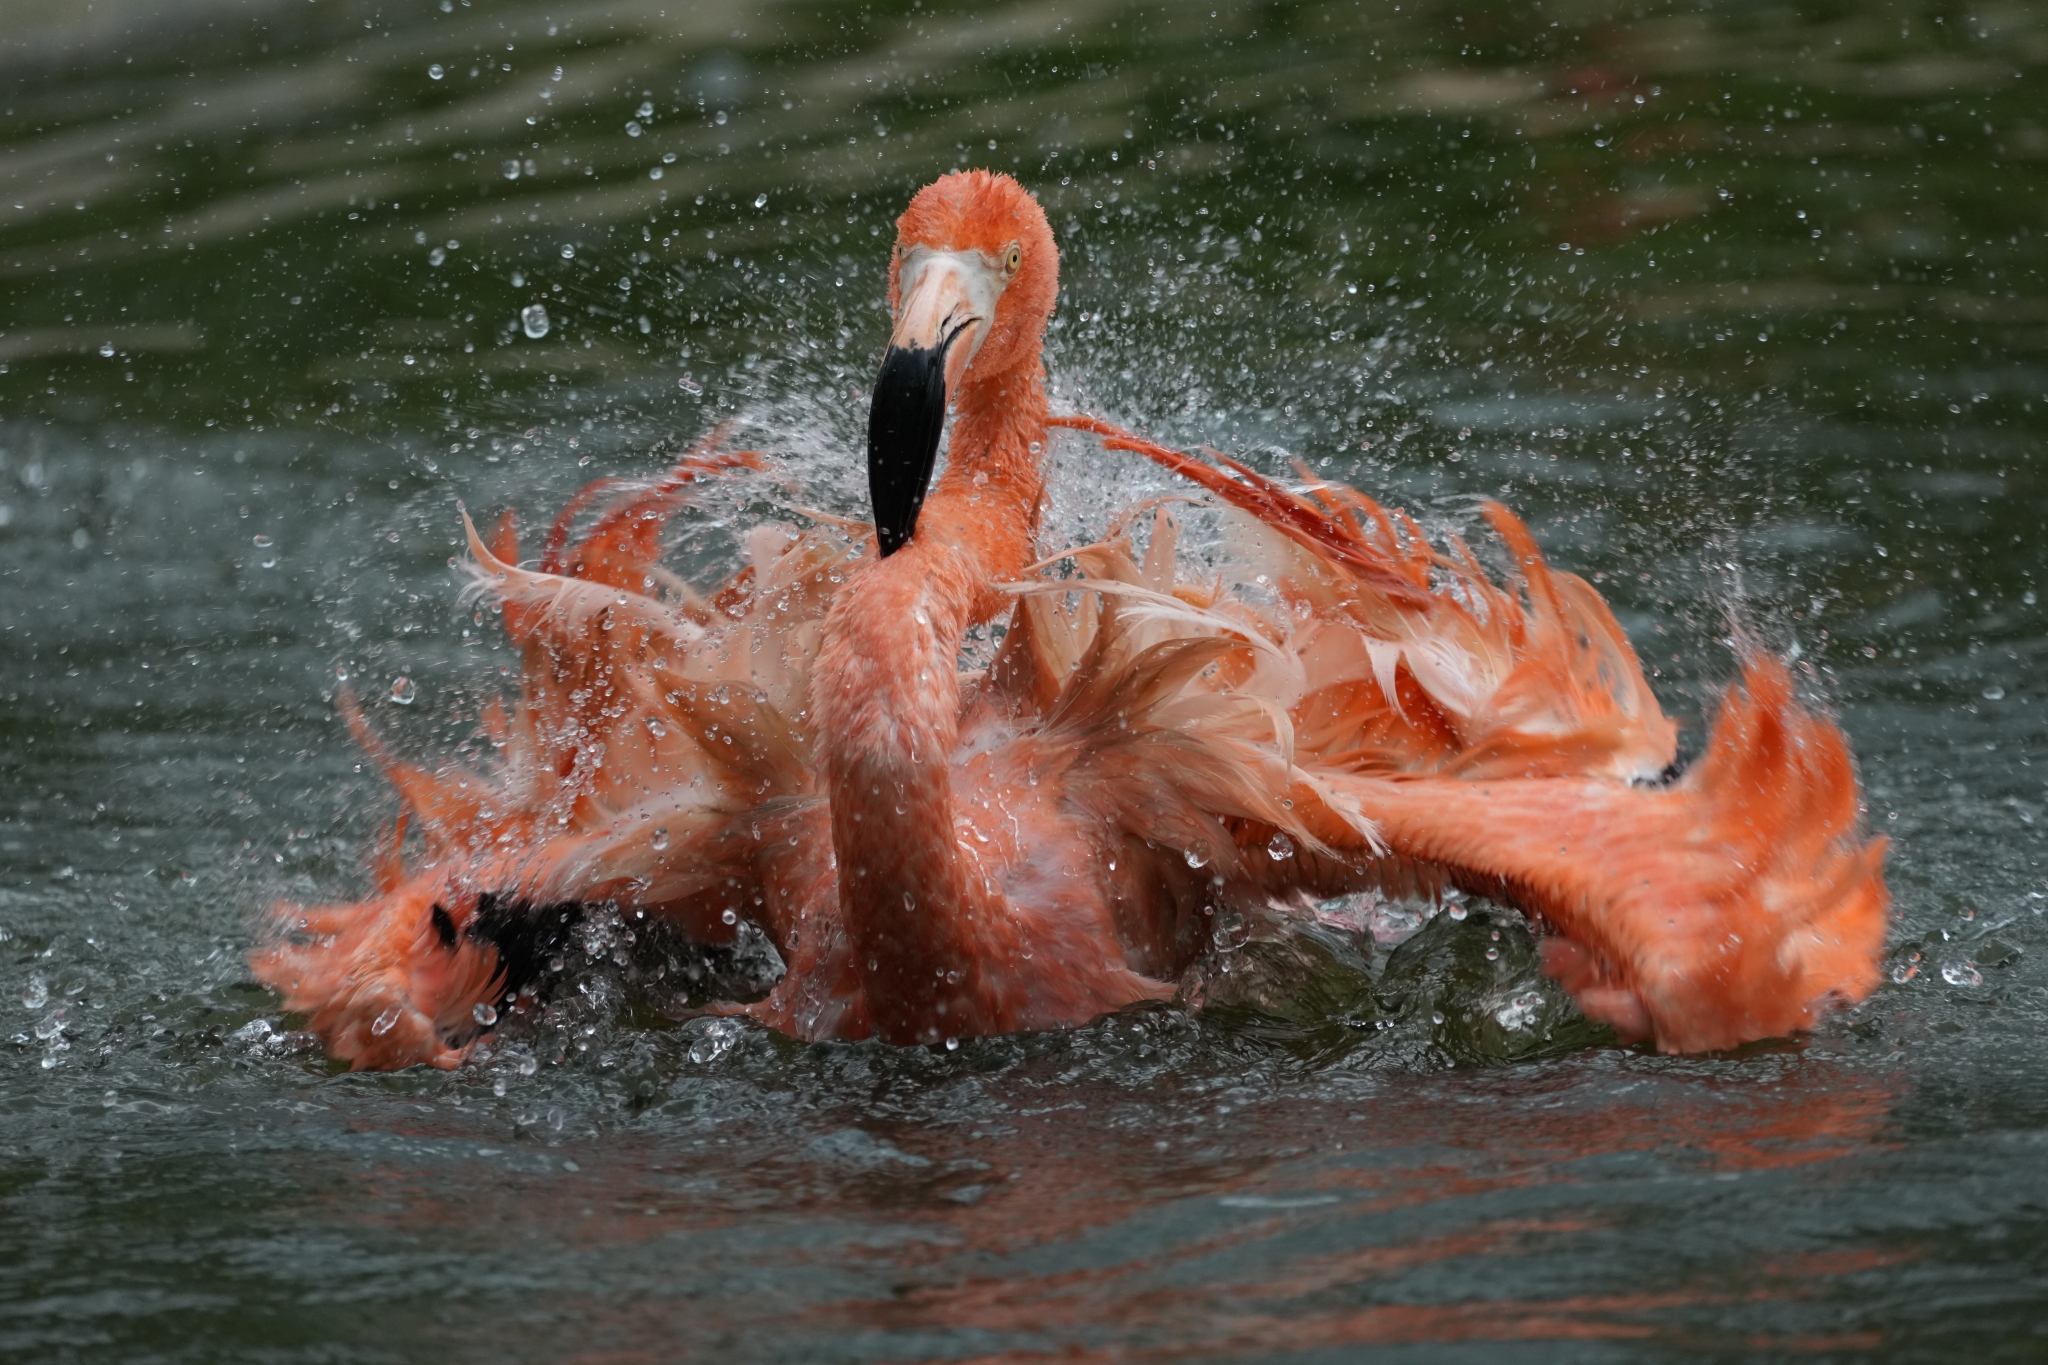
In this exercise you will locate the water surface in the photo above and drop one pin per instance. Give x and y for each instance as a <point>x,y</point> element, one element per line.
<point>1742,305</point>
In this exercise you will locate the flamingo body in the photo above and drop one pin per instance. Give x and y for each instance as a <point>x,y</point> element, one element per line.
<point>939,853</point>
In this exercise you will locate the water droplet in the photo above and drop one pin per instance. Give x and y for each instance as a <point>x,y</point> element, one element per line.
<point>1520,1012</point>
<point>688,385</point>
<point>384,1022</point>
<point>527,1065</point>
<point>1994,693</point>
<point>760,201</point>
<point>715,1041</point>
<point>1456,912</point>
<point>1962,974</point>
<point>511,170</point>
<point>952,1045</point>
<point>437,255</point>
<point>36,993</point>
<point>655,727</point>
<point>533,320</point>
<point>107,349</point>
<point>403,691</point>
<point>435,73</point>
<point>518,282</point>
<point>568,251</point>
<point>1436,1016</point>
<point>633,129</point>
<point>1230,932</point>
<point>260,542</point>
<point>729,915</point>
<point>1197,858</point>
<point>484,1014</point>
<point>1493,954</point>
<point>1280,848</point>
<point>660,840</point>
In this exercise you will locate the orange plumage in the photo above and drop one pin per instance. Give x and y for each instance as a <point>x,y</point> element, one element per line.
<point>939,853</point>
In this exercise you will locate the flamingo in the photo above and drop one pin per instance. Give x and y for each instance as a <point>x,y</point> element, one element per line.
<point>938,852</point>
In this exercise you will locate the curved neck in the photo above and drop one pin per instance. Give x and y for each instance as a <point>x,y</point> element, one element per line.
<point>887,697</point>
<point>986,503</point>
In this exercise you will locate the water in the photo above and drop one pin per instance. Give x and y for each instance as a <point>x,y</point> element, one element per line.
<point>1742,306</point>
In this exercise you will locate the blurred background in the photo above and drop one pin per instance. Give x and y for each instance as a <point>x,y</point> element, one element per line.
<point>1741,304</point>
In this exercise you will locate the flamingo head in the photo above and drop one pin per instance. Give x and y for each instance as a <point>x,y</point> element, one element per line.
<point>971,285</point>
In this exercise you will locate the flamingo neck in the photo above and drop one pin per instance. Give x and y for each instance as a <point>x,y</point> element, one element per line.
<point>887,699</point>
<point>986,503</point>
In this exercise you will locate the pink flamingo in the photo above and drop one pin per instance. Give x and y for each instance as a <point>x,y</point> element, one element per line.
<point>940,853</point>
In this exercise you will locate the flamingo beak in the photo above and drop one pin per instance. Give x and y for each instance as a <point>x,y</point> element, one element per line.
<point>948,301</point>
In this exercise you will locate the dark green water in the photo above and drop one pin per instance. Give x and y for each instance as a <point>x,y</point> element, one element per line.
<point>1741,304</point>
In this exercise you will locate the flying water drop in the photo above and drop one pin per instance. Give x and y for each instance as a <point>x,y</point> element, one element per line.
<point>403,691</point>
<point>1520,1012</point>
<point>533,320</point>
<point>484,1014</point>
<point>715,1041</point>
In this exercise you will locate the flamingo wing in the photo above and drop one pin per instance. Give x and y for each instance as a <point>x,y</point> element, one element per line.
<point>655,760</point>
<point>1503,738</point>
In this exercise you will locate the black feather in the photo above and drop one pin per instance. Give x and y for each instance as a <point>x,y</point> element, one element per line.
<point>525,935</point>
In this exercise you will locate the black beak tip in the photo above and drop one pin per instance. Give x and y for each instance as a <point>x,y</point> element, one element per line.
<point>904,422</point>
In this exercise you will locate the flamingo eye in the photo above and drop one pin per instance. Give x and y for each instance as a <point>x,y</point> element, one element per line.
<point>1013,258</point>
